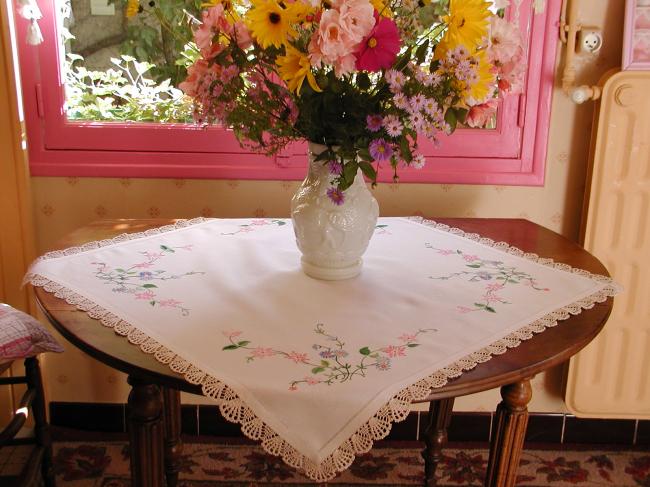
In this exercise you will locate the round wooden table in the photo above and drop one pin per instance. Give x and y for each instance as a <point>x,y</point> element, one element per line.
<point>154,401</point>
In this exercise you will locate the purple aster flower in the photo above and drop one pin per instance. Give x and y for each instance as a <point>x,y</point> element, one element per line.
<point>380,150</point>
<point>373,122</point>
<point>336,196</point>
<point>335,167</point>
<point>393,126</point>
<point>418,161</point>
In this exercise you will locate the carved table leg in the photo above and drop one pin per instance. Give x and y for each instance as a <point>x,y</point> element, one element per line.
<point>435,437</point>
<point>508,435</point>
<point>145,433</point>
<point>173,443</point>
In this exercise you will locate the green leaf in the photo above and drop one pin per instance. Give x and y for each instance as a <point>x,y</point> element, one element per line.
<point>363,81</point>
<point>120,270</point>
<point>324,363</point>
<point>490,309</point>
<point>433,67</point>
<point>317,370</point>
<point>413,345</point>
<point>368,170</point>
<point>167,249</point>
<point>364,351</point>
<point>479,305</point>
<point>474,266</point>
<point>243,343</point>
<point>230,347</point>
<point>451,119</point>
<point>152,303</point>
<point>421,52</point>
<point>149,286</point>
<point>405,150</point>
<point>461,114</point>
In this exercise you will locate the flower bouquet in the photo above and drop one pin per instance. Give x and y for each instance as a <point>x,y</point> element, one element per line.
<point>358,79</point>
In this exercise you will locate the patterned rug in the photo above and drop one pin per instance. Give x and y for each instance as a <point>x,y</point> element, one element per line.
<point>106,464</point>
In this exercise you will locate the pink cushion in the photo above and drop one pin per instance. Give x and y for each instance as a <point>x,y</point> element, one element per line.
<point>22,336</point>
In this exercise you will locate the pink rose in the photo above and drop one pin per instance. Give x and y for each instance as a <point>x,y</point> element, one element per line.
<point>356,19</point>
<point>480,115</point>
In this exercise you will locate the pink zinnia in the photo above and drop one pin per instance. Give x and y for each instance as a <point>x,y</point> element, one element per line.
<point>379,49</point>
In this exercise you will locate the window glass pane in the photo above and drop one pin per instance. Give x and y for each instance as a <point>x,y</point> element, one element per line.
<point>124,59</point>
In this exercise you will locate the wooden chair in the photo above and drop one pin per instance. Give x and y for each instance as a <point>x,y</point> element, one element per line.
<point>39,466</point>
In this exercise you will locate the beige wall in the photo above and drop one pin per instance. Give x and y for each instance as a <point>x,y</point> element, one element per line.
<point>62,204</point>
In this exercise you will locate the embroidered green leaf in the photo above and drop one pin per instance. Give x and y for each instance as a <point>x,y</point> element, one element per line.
<point>479,305</point>
<point>324,363</point>
<point>412,345</point>
<point>152,303</point>
<point>243,343</point>
<point>474,266</point>
<point>230,347</point>
<point>381,226</point>
<point>490,309</point>
<point>317,370</point>
<point>120,270</point>
<point>167,249</point>
<point>279,222</point>
<point>149,286</point>
<point>364,351</point>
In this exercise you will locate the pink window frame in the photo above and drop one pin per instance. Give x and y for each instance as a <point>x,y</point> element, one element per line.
<point>514,153</point>
<point>628,39</point>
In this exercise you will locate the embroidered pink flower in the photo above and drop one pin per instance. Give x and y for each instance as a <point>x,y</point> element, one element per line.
<point>406,337</point>
<point>232,333</point>
<point>261,352</point>
<point>299,358</point>
<point>293,387</point>
<point>464,309</point>
<point>147,295</point>
<point>446,251</point>
<point>471,258</point>
<point>143,265</point>
<point>379,49</point>
<point>494,287</point>
<point>169,303</point>
<point>395,351</point>
<point>312,381</point>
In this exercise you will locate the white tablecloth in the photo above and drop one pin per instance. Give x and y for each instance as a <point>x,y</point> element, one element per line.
<point>316,370</point>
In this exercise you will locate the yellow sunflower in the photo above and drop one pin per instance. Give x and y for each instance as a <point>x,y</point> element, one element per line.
<point>132,8</point>
<point>270,22</point>
<point>484,84</point>
<point>229,7</point>
<point>381,7</point>
<point>294,67</point>
<point>467,23</point>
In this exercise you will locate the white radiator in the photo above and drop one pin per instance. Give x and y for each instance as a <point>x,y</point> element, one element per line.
<point>611,377</point>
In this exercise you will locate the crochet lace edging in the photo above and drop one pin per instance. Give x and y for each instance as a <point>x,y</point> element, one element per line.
<point>234,409</point>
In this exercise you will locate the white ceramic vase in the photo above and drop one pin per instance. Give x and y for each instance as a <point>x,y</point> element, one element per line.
<point>331,237</point>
